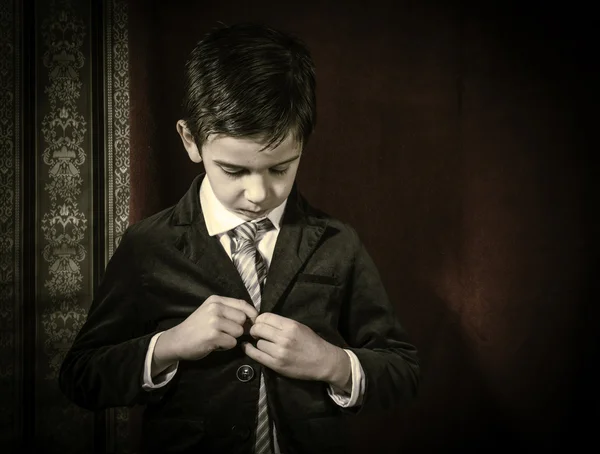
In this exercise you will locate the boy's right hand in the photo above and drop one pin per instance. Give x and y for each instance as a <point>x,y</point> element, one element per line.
<point>215,325</point>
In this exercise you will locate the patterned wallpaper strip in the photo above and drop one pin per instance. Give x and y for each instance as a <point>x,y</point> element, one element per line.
<point>63,204</point>
<point>117,165</point>
<point>11,179</point>
<point>64,212</point>
<point>117,109</point>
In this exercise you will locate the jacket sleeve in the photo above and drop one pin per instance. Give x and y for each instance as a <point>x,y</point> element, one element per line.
<point>371,327</point>
<point>104,366</point>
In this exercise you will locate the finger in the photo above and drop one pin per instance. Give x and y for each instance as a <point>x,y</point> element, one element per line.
<point>230,313</point>
<point>241,305</point>
<point>274,320</point>
<point>229,327</point>
<point>258,355</point>
<point>271,349</point>
<point>225,342</point>
<point>263,331</point>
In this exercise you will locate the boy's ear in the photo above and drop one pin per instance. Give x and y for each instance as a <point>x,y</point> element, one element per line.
<point>188,142</point>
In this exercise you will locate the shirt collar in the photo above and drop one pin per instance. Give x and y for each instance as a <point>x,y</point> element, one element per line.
<point>219,219</point>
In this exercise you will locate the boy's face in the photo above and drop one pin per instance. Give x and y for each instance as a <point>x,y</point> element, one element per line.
<point>248,180</point>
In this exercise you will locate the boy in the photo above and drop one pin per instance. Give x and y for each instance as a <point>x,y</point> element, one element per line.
<point>245,320</point>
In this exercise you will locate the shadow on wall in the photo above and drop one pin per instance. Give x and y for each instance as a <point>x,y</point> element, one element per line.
<point>453,139</point>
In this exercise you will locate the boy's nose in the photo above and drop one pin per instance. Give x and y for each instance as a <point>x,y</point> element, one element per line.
<point>256,190</point>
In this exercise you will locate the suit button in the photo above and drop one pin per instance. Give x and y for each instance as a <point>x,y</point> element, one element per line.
<point>245,373</point>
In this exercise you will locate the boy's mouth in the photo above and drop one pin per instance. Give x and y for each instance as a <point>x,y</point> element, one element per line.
<point>253,214</point>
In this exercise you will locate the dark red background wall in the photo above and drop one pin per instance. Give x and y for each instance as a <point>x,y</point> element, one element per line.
<point>455,140</point>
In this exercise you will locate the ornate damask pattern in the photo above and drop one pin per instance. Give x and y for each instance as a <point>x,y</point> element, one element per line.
<point>117,188</point>
<point>64,224</point>
<point>10,222</point>
<point>64,204</point>
<point>117,109</point>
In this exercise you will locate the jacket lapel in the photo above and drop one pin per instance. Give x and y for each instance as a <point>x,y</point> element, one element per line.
<point>300,233</point>
<point>205,251</point>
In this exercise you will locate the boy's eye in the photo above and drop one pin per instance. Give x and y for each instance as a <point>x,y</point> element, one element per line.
<point>233,173</point>
<point>276,171</point>
<point>242,172</point>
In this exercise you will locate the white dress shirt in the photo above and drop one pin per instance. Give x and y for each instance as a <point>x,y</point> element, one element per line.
<point>219,221</point>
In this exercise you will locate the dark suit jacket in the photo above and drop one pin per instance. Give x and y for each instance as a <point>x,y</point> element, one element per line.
<point>167,265</point>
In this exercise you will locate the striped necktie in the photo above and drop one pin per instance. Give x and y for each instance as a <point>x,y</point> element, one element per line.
<point>253,271</point>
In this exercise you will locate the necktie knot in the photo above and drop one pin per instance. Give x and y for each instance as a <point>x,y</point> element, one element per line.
<point>251,231</point>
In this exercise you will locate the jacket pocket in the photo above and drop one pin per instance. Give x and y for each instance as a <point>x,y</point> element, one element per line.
<point>316,279</point>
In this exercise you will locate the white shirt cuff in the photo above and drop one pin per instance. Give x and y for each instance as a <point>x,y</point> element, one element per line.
<point>358,385</point>
<point>161,379</point>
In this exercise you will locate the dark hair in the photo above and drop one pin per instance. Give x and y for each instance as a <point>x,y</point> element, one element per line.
<point>249,80</point>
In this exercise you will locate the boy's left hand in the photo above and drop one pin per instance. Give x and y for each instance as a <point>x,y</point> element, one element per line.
<point>296,351</point>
